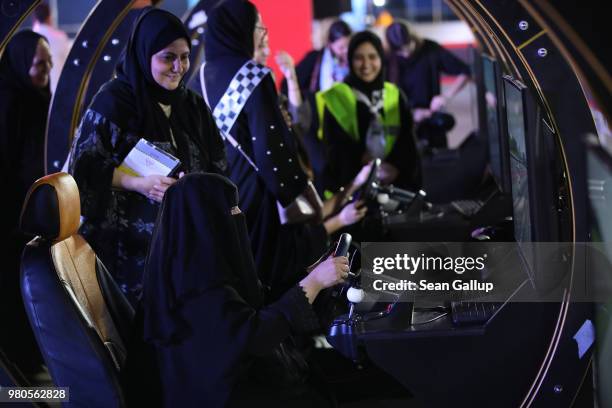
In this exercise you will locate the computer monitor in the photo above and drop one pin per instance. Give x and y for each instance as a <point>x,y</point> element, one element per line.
<point>514,102</point>
<point>491,121</point>
<point>534,177</point>
<point>491,118</point>
<point>550,212</point>
<point>598,267</point>
<point>477,98</point>
<point>599,171</point>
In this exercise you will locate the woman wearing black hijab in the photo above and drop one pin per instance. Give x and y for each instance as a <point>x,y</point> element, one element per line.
<point>146,100</point>
<point>364,118</point>
<point>215,340</point>
<point>281,252</point>
<point>24,102</point>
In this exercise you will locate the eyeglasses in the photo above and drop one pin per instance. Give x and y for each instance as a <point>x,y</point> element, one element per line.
<point>262,28</point>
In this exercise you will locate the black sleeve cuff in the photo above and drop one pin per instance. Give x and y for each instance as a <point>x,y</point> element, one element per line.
<point>300,314</point>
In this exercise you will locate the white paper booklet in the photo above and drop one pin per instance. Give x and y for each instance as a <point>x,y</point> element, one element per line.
<point>146,159</point>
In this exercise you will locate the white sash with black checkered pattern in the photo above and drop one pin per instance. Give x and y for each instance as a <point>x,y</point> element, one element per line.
<point>235,97</point>
<point>226,113</point>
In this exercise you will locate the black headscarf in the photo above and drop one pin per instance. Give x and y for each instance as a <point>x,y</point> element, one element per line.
<point>131,100</point>
<point>228,44</point>
<point>197,245</point>
<point>230,28</point>
<point>23,120</point>
<point>337,30</point>
<point>398,36</point>
<point>352,79</point>
<point>15,66</point>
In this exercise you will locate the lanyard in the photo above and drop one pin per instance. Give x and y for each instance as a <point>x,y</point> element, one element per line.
<point>375,106</point>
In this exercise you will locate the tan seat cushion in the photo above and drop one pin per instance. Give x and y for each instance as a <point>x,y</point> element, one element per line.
<point>75,262</point>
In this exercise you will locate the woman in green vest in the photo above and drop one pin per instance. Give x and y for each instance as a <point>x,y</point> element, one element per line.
<point>364,118</point>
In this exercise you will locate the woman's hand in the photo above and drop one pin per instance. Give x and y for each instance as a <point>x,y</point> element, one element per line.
<point>154,186</point>
<point>362,176</point>
<point>287,67</point>
<point>352,213</point>
<point>420,114</point>
<point>387,173</point>
<point>285,64</point>
<point>437,103</point>
<point>326,274</point>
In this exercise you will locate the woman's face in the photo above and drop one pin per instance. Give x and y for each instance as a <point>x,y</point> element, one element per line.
<point>262,52</point>
<point>170,64</point>
<point>339,48</point>
<point>41,65</point>
<point>366,62</point>
<point>260,41</point>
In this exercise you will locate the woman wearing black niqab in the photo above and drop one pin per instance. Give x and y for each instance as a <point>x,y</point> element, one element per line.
<point>24,104</point>
<point>216,343</point>
<point>146,100</point>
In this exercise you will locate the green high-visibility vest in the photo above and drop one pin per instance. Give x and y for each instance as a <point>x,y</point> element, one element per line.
<point>341,103</point>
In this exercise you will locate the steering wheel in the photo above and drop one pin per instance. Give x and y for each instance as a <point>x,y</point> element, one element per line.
<point>367,190</point>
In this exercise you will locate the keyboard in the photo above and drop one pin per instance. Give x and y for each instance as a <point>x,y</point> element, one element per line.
<point>473,312</point>
<point>467,207</point>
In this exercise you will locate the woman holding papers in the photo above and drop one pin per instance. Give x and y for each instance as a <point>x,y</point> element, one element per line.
<point>147,100</point>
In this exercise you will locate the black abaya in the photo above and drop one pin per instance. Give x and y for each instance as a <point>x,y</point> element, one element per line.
<point>281,252</point>
<point>117,223</point>
<point>23,120</point>
<point>215,341</point>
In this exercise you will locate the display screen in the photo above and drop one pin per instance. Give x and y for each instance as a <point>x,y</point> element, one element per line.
<point>515,116</point>
<point>599,167</point>
<point>492,118</point>
<point>600,197</point>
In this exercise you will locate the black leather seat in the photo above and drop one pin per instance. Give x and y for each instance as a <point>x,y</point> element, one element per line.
<point>79,316</point>
<point>9,376</point>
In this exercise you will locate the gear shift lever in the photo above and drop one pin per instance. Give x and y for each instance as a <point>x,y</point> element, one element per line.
<point>343,333</point>
<point>355,296</point>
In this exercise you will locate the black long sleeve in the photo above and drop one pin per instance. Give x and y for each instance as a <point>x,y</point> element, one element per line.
<point>226,336</point>
<point>273,145</point>
<point>213,142</point>
<point>270,325</point>
<point>9,159</point>
<point>98,148</point>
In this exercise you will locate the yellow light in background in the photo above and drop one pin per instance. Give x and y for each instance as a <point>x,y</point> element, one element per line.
<point>385,19</point>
